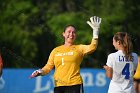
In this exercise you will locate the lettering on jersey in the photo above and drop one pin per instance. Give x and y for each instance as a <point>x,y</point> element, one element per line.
<point>124,59</point>
<point>64,54</point>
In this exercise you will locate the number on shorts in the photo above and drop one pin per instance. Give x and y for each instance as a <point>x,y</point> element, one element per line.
<point>125,71</point>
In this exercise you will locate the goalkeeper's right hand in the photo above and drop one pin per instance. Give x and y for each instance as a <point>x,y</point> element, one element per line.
<point>36,73</point>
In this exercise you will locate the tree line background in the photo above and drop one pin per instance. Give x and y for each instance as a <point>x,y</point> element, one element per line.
<point>30,29</point>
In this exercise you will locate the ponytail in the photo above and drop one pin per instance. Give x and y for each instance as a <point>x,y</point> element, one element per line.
<point>128,46</point>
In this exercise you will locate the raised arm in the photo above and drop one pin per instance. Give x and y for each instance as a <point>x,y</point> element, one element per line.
<point>94,23</point>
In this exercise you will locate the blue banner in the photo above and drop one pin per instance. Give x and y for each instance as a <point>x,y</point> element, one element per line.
<point>18,81</point>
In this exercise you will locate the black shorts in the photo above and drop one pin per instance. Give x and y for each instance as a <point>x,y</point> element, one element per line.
<point>137,80</point>
<point>69,89</point>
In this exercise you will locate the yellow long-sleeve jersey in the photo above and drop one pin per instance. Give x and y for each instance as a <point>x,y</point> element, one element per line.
<point>67,60</point>
<point>137,74</point>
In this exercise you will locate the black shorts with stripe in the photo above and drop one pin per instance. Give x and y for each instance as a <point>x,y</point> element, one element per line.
<point>69,89</point>
<point>137,80</point>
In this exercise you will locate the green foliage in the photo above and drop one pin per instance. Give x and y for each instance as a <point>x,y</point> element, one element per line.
<point>20,28</point>
<point>58,22</point>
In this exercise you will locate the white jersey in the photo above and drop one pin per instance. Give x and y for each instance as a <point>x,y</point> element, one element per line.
<point>123,72</point>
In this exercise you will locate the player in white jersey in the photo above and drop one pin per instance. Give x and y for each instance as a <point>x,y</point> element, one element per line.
<point>121,65</point>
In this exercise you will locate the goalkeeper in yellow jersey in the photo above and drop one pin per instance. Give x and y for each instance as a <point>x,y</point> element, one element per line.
<point>67,59</point>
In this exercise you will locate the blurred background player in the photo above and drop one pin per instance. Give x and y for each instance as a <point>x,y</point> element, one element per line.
<point>2,82</point>
<point>67,59</point>
<point>137,78</point>
<point>121,65</point>
<point>1,65</point>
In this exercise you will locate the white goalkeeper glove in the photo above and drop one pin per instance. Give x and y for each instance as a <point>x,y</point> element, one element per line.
<point>36,73</point>
<point>94,23</point>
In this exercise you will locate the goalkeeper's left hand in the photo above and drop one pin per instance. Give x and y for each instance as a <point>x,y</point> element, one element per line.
<point>94,23</point>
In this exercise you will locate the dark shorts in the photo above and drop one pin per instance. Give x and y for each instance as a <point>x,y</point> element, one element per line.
<point>137,80</point>
<point>69,89</point>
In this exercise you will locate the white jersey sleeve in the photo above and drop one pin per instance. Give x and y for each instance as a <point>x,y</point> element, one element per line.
<point>110,60</point>
<point>135,57</point>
